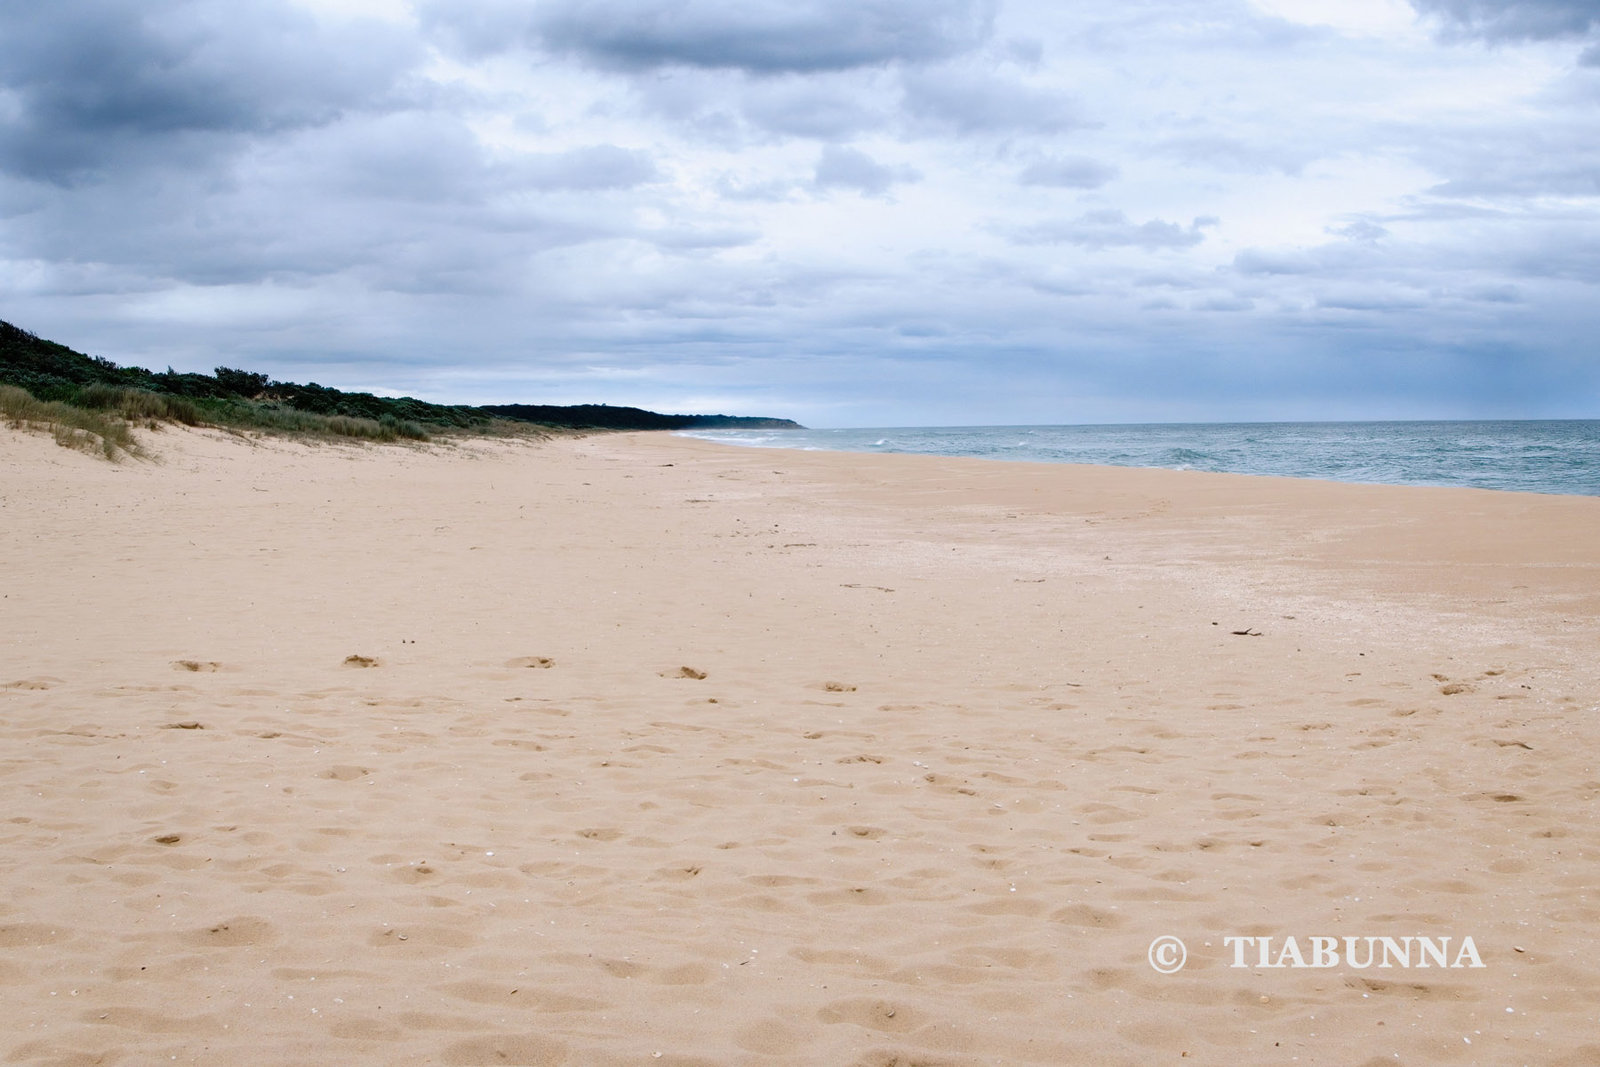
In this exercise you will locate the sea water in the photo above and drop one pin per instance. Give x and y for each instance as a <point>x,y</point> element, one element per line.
<point>1540,457</point>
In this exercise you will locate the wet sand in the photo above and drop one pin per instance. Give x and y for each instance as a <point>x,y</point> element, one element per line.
<point>638,749</point>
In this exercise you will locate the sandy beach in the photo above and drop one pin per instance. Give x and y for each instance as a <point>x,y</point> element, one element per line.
<point>637,749</point>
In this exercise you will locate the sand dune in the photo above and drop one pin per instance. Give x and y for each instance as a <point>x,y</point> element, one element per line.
<point>637,749</point>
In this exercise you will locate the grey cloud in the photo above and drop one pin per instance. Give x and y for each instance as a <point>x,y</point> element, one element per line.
<point>596,167</point>
<point>976,103</point>
<point>1070,172</point>
<point>1512,20</point>
<point>691,239</point>
<point>1256,261</point>
<point>1369,298</point>
<point>1495,159</point>
<point>802,108</point>
<point>1559,248</point>
<point>435,157</point>
<point>476,29</point>
<point>101,83</point>
<point>1228,153</point>
<point>735,109</point>
<point>1027,51</point>
<point>1570,180</point>
<point>1113,229</point>
<point>392,203</point>
<point>411,156</point>
<point>762,36</point>
<point>1419,210</point>
<point>1230,27</point>
<point>1323,259</point>
<point>1052,287</point>
<point>1523,176</point>
<point>703,105</point>
<point>1363,230</point>
<point>1492,294</point>
<point>772,191</point>
<point>852,169</point>
<point>1225,303</point>
<point>1168,279</point>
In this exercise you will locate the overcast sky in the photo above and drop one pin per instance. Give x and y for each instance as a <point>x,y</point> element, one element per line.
<point>848,212</point>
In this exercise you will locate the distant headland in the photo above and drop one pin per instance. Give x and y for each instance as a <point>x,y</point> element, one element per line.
<point>89,401</point>
<point>605,417</point>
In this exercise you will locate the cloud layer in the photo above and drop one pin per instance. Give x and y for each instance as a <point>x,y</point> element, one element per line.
<point>760,36</point>
<point>1517,19</point>
<point>880,211</point>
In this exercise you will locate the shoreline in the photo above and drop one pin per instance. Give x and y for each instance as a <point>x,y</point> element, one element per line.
<point>969,736</point>
<point>1552,457</point>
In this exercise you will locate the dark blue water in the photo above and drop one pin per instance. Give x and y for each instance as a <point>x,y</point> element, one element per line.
<point>1539,457</point>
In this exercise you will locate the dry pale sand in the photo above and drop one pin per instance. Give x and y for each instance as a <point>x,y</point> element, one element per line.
<point>969,737</point>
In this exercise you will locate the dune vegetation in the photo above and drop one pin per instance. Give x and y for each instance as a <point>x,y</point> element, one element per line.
<point>94,404</point>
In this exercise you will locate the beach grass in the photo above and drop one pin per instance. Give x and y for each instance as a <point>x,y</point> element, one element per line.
<point>73,426</point>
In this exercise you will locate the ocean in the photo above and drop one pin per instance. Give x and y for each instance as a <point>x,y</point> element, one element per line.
<point>1528,456</point>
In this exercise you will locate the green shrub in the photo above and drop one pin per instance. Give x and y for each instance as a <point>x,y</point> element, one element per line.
<point>241,382</point>
<point>138,404</point>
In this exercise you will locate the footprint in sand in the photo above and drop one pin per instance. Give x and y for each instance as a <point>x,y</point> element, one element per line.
<point>413,873</point>
<point>1409,990</point>
<point>232,933</point>
<point>360,661</point>
<point>532,662</point>
<point>600,834</point>
<point>421,937</point>
<point>882,1015</point>
<point>186,725</point>
<point>366,1030</point>
<point>519,995</point>
<point>1450,688</point>
<point>871,833</point>
<point>1088,917</point>
<point>530,1050</point>
<point>678,874</point>
<point>947,784</point>
<point>345,772</point>
<point>685,672</point>
<point>20,935</point>
<point>40,682</point>
<point>771,1036</point>
<point>854,895</point>
<point>514,742</point>
<point>684,974</point>
<point>621,968</point>
<point>207,666</point>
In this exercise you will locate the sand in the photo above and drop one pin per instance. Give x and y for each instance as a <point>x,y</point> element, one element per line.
<point>637,749</point>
